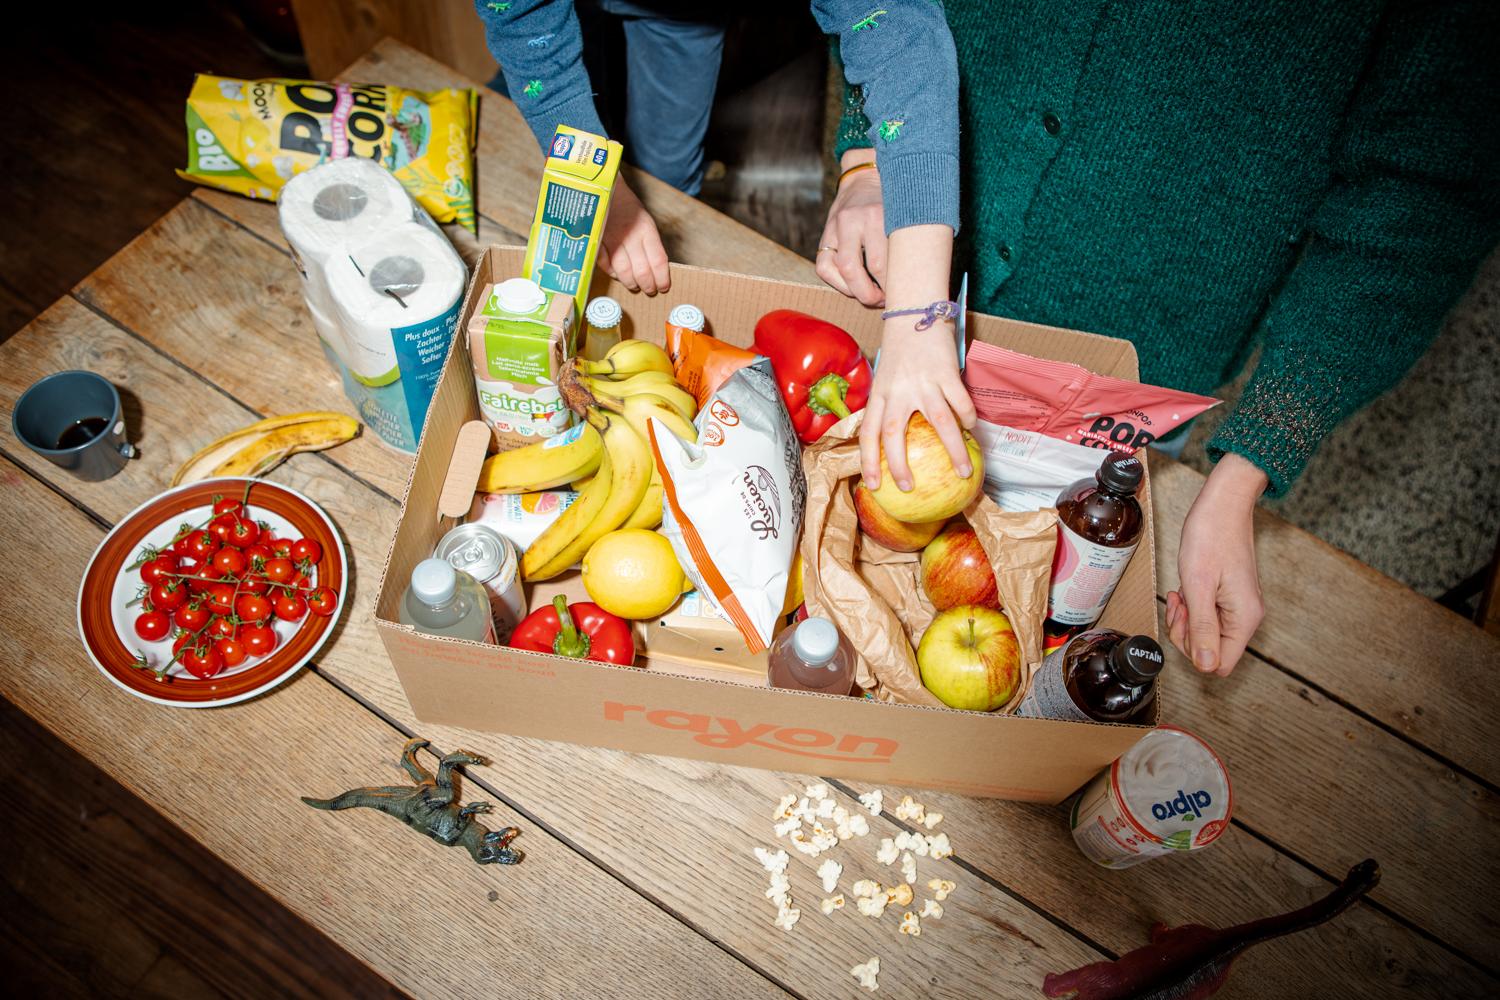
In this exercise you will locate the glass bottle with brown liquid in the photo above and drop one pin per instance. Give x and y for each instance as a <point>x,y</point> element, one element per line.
<point>1103,675</point>
<point>1099,525</point>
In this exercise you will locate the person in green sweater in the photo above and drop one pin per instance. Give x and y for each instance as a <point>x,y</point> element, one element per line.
<point>1315,181</point>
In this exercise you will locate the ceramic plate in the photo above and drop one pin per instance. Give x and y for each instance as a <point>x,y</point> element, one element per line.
<point>106,617</point>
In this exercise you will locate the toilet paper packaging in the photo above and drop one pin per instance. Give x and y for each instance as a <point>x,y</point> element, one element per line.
<point>384,287</point>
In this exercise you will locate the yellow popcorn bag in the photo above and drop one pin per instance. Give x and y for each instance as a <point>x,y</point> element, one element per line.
<point>252,136</point>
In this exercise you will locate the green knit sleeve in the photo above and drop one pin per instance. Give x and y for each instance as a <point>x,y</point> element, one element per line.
<point>1413,208</point>
<point>854,128</point>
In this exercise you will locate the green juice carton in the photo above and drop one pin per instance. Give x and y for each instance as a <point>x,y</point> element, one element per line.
<point>577,179</point>
<point>519,340</point>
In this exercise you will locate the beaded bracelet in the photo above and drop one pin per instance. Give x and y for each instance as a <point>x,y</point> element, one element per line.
<point>930,313</point>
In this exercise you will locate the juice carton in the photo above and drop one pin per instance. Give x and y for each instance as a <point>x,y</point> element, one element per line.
<point>570,210</point>
<point>519,340</point>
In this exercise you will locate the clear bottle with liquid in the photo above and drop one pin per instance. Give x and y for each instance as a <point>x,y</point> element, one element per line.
<point>442,600</point>
<point>811,656</point>
<point>602,317</point>
<point>1101,675</point>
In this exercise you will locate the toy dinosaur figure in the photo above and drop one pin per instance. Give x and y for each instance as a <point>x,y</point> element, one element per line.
<point>533,89</point>
<point>1192,962</point>
<point>869,20</point>
<point>431,806</point>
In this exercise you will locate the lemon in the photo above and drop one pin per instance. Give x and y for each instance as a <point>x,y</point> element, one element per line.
<point>633,573</point>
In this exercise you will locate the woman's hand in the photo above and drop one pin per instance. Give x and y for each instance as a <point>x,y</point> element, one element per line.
<point>1218,608</point>
<point>852,250</point>
<point>632,253</point>
<point>918,373</point>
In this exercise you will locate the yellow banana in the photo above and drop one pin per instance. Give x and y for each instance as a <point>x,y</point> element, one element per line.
<point>628,357</point>
<point>669,392</point>
<point>570,523</point>
<point>543,465</point>
<point>640,379</point>
<point>638,409</point>
<point>648,512</point>
<point>577,485</point>
<point>260,447</point>
<point>630,466</point>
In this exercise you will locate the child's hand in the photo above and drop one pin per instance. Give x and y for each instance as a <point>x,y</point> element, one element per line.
<point>918,373</point>
<point>632,253</point>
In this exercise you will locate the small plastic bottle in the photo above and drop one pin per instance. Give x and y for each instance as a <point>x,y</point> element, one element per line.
<point>442,600</point>
<point>603,319</point>
<point>1102,675</point>
<point>811,656</point>
<point>1100,523</point>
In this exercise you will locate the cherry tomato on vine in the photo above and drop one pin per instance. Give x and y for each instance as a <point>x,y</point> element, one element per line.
<point>155,569</point>
<point>169,595</point>
<point>152,625</point>
<point>290,607</point>
<point>252,608</point>
<point>202,661</point>
<point>231,651</point>
<point>306,550</point>
<point>280,570</point>
<point>202,578</point>
<point>254,584</point>
<point>228,505</point>
<point>191,616</point>
<point>244,533</point>
<point>258,639</point>
<point>282,547</point>
<point>229,561</point>
<point>220,599</point>
<point>323,602</point>
<point>223,628</point>
<point>220,527</point>
<point>201,545</point>
<point>259,554</point>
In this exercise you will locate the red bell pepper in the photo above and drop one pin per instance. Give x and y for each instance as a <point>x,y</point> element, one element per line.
<point>597,634</point>
<point>822,375</point>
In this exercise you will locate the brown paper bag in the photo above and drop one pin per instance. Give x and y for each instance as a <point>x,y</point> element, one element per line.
<point>874,595</point>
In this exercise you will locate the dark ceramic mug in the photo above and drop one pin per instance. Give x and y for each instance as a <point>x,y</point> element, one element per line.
<point>73,419</point>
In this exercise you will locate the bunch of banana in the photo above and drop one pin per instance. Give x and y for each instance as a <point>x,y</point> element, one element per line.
<point>658,384</point>
<point>628,357</point>
<point>637,410</point>
<point>265,444</point>
<point>544,465</point>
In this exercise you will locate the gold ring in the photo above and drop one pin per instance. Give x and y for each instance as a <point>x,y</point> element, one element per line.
<point>831,249</point>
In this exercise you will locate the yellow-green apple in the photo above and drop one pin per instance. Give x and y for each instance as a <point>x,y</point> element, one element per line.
<point>898,536</point>
<point>969,658</point>
<point>956,571</point>
<point>937,492</point>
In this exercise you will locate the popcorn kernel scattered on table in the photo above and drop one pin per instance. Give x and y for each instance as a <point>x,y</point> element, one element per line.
<point>909,810</point>
<point>931,820</point>
<point>787,916</point>
<point>818,791</point>
<point>901,895</point>
<point>939,847</point>
<point>911,925</point>
<point>825,808</point>
<point>859,825</point>
<point>873,906</point>
<point>829,871</point>
<point>787,825</point>
<point>865,887</point>
<point>887,852</point>
<point>941,887</point>
<point>908,867</point>
<point>866,974</point>
<point>771,861</point>
<point>873,801</point>
<point>835,903</point>
<point>784,807</point>
<point>932,908</point>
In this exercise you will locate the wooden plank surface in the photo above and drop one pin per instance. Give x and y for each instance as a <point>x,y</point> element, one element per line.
<point>425,917</point>
<point>336,32</point>
<point>635,846</point>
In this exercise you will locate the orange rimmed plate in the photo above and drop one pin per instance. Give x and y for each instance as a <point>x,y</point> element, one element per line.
<point>106,619</point>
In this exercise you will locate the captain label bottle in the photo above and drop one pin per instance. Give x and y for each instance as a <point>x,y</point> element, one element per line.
<point>1101,676</point>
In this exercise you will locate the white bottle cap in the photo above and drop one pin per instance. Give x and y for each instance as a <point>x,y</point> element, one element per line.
<point>688,316</point>
<point>603,313</point>
<point>434,581</point>
<point>520,296</point>
<point>815,641</point>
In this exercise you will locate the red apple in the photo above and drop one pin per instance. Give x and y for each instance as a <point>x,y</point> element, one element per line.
<point>969,658</point>
<point>937,493</point>
<point>898,536</point>
<point>956,571</point>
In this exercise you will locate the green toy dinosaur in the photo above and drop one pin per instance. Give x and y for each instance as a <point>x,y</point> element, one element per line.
<point>431,806</point>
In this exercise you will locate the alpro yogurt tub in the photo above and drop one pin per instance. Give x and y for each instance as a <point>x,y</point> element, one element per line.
<point>1166,794</point>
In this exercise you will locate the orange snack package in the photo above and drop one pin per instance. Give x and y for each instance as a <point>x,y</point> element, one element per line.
<point>700,363</point>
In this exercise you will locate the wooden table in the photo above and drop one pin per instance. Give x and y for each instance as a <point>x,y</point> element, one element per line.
<point>1362,722</point>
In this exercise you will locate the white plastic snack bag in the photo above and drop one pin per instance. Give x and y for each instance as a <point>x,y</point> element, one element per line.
<point>1026,470</point>
<point>732,504</point>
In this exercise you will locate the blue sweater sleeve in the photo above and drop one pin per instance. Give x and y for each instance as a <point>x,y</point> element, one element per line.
<point>540,49</point>
<point>902,58</point>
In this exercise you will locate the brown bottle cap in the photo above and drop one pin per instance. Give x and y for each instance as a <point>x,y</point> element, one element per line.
<point>1137,659</point>
<point>1120,473</point>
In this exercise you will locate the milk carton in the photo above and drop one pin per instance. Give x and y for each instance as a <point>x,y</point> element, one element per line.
<point>518,343</point>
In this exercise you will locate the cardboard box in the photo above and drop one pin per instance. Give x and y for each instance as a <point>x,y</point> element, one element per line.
<point>710,705</point>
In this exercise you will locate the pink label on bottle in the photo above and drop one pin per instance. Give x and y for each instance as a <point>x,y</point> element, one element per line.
<point>1084,576</point>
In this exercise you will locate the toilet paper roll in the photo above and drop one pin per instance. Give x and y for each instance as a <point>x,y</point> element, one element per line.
<point>340,204</point>
<point>399,280</point>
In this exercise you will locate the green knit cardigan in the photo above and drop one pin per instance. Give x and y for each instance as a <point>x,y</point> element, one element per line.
<point>1205,177</point>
